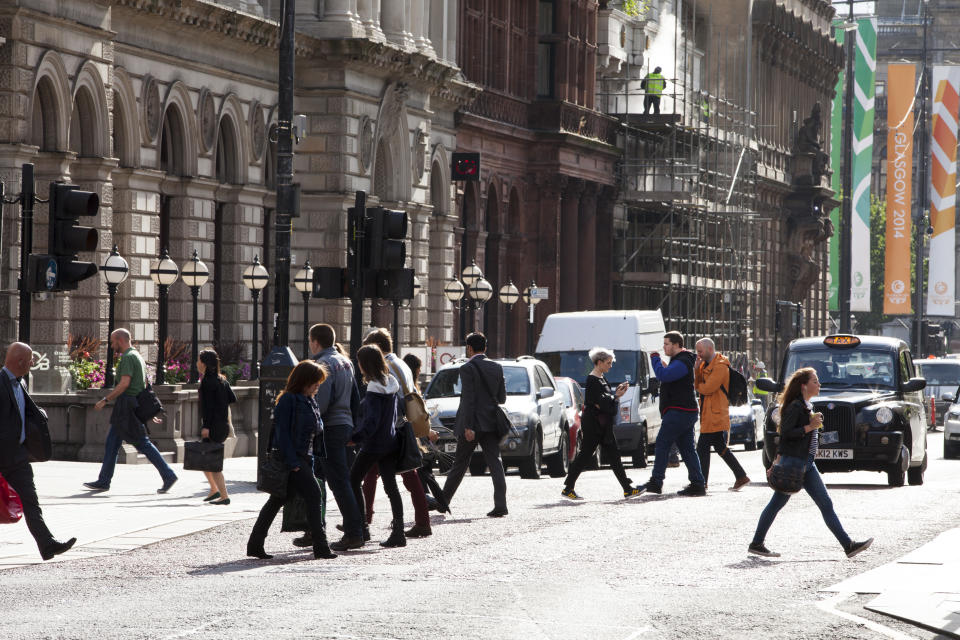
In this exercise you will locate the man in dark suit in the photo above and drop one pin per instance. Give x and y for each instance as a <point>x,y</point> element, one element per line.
<point>24,438</point>
<point>481,390</point>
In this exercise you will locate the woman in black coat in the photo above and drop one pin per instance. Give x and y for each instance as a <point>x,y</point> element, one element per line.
<point>216,396</point>
<point>799,429</point>
<point>600,405</point>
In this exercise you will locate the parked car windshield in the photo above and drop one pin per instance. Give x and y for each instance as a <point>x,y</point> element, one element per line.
<point>566,393</point>
<point>939,373</point>
<point>577,365</point>
<point>840,368</point>
<point>446,384</point>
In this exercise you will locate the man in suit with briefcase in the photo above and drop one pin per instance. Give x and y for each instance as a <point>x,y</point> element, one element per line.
<point>482,388</point>
<point>24,438</point>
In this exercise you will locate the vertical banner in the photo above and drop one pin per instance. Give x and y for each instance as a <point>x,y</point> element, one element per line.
<point>943,191</point>
<point>865,65</point>
<point>836,159</point>
<point>901,79</point>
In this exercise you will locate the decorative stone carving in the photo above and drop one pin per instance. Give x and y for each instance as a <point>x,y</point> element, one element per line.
<point>365,142</point>
<point>258,130</point>
<point>419,155</point>
<point>150,104</point>
<point>207,116</point>
<point>393,102</point>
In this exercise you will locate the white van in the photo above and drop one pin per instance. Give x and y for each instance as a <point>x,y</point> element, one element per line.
<point>568,337</point>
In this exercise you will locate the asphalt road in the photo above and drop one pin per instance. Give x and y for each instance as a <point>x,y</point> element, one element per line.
<point>656,567</point>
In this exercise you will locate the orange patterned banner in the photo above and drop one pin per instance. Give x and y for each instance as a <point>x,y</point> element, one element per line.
<point>941,280</point>
<point>896,281</point>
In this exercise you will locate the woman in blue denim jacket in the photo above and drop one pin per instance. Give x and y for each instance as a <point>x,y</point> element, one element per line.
<point>799,430</point>
<point>296,423</point>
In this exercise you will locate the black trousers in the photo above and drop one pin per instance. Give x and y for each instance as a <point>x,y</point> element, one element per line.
<point>653,101</point>
<point>303,482</point>
<point>718,442</point>
<point>387,463</point>
<point>20,479</point>
<point>489,443</point>
<point>593,438</point>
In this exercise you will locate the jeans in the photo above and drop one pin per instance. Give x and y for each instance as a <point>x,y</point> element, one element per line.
<point>593,438</point>
<point>489,443</point>
<point>143,445</point>
<point>718,441</point>
<point>387,464</point>
<point>677,427</point>
<point>813,485</point>
<point>304,483</point>
<point>333,468</point>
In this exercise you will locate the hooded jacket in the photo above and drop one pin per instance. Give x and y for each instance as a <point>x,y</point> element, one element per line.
<point>710,379</point>
<point>375,432</point>
<point>676,388</point>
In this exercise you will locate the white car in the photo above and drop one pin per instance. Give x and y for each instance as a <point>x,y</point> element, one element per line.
<point>746,424</point>
<point>951,432</point>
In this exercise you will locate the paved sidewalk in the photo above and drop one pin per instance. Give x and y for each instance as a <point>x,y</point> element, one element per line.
<point>131,514</point>
<point>922,587</point>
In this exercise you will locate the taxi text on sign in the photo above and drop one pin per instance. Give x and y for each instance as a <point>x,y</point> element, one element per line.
<point>896,281</point>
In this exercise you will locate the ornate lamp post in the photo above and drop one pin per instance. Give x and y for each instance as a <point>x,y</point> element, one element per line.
<point>303,281</point>
<point>114,270</point>
<point>531,304</point>
<point>471,274</point>
<point>480,293</point>
<point>509,294</point>
<point>163,272</point>
<point>255,278</point>
<point>195,274</point>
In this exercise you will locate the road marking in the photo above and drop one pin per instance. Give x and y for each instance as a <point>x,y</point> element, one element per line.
<point>829,605</point>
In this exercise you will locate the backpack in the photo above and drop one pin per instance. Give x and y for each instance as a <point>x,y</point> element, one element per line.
<point>737,393</point>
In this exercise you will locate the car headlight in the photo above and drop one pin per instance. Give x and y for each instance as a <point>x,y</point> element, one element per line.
<point>519,420</point>
<point>884,415</point>
<point>775,416</point>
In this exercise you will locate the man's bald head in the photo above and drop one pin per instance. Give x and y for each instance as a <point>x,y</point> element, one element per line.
<point>18,359</point>
<point>706,349</point>
<point>120,340</point>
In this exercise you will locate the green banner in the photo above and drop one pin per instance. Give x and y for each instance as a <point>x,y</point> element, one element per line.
<point>864,77</point>
<point>836,153</point>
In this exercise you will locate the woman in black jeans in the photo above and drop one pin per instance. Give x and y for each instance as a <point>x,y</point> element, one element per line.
<point>296,422</point>
<point>600,405</point>
<point>375,435</point>
<point>215,399</point>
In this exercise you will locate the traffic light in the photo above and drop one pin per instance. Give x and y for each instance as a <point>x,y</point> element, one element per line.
<point>385,239</point>
<point>465,167</point>
<point>68,204</point>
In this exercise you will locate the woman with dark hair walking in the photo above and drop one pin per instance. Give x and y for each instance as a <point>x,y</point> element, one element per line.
<point>296,422</point>
<point>799,429</point>
<point>216,397</point>
<point>375,435</point>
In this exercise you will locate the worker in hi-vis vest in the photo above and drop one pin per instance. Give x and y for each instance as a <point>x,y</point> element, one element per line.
<point>654,84</point>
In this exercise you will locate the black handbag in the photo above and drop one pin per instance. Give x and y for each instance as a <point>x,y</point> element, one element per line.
<point>409,457</point>
<point>295,516</point>
<point>203,455</point>
<point>148,405</point>
<point>786,475</point>
<point>504,425</point>
<point>272,472</point>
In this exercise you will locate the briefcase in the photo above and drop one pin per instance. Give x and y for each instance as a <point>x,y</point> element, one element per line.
<point>203,455</point>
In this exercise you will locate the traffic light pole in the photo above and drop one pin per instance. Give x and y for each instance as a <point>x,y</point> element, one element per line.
<point>355,267</point>
<point>26,248</point>
<point>284,177</point>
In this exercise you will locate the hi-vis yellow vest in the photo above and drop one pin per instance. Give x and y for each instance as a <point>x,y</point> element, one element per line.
<point>655,84</point>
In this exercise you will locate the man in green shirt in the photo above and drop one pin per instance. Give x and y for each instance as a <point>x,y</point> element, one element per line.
<point>654,84</point>
<point>124,424</point>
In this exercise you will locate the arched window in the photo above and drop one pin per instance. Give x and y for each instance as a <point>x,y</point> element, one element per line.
<point>226,159</point>
<point>171,143</point>
<point>44,124</point>
<point>438,190</point>
<point>83,125</point>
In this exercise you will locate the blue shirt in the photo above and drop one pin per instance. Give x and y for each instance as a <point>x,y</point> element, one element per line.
<point>21,402</point>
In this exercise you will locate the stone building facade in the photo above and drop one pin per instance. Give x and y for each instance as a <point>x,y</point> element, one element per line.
<point>167,110</point>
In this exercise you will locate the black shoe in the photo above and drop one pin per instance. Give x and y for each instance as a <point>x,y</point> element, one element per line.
<point>498,513</point>
<point>693,490</point>
<point>321,550</point>
<point>167,484</point>
<point>96,486</point>
<point>347,543</point>
<point>55,548</point>
<point>212,497</point>
<point>856,547</point>
<point>397,537</point>
<point>224,501</point>
<point>366,533</point>
<point>419,531</point>
<point>757,549</point>
<point>257,552</point>
<point>306,540</point>
<point>652,487</point>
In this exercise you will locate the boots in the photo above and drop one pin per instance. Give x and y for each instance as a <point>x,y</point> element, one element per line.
<point>320,547</point>
<point>256,551</point>
<point>397,537</point>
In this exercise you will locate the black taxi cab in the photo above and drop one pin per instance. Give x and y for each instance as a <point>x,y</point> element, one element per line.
<point>874,416</point>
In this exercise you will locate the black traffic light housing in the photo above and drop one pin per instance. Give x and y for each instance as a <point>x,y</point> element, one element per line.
<point>67,238</point>
<point>465,167</point>
<point>385,235</point>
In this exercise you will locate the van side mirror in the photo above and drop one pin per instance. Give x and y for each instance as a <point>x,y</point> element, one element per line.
<point>913,384</point>
<point>948,397</point>
<point>653,387</point>
<point>766,384</point>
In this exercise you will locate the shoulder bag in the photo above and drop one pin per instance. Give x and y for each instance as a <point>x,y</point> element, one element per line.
<point>11,509</point>
<point>272,471</point>
<point>504,425</point>
<point>413,407</point>
<point>409,456</point>
<point>786,475</point>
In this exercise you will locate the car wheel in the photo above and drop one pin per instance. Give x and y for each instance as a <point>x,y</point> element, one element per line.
<point>477,465</point>
<point>751,444</point>
<point>915,474</point>
<point>897,472</point>
<point>530,468</point>
<point>558,463</point>
<point>949,451</point>
<point>640,455</point>
<point>767,462</point>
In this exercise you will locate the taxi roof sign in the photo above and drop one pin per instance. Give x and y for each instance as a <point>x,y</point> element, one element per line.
<point>841,341</point>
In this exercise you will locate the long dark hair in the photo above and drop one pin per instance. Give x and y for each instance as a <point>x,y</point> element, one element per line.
<point>793,391</point>
<point>372,364</point>
<point>211,363</point>
<point>304,375</point>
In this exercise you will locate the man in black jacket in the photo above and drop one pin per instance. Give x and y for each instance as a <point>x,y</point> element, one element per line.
<point>23,425</point>
<point>482,388</point>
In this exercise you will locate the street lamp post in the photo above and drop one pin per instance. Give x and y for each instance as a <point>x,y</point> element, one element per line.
<point>509,294</point>
<point>115,270</point>
<point>531,304</point>
<point>453,291</point>
<point>195,274</point>
<point>480,292</point>
<point>163,272</point>
<point>255,278</point>
<point>303,281</point>
<point>471,274</point>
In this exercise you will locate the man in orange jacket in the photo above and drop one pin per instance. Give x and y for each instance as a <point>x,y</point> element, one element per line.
<point>712,380</point>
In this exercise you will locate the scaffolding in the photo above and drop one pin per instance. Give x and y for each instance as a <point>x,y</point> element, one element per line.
<point>685,238</point>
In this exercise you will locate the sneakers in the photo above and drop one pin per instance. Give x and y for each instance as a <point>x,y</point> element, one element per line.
<point>96,486</point>
<point>695,490</point>
<point>856,547</point>
<point>757,549</point>
<point>739,484</point>
<point>652,487</point>
<point>167,484</point>
<point>634,492</point>
<point>570,494</point>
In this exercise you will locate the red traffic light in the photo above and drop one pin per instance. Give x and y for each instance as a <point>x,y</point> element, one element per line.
<point>465,166</point>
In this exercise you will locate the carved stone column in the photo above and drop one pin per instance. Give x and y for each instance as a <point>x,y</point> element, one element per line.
<point>548,241</point>
<point>340,20</point>
<point>369,14</point>
<point>604,258</point>
<point>395,21</point>
<point>419,19</point>
<point>567,286</point>
<point>587,255</point>
<point>442,262</point>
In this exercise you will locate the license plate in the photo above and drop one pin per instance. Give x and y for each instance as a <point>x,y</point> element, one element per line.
<point>450,447</point>
<point>835,454</point>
